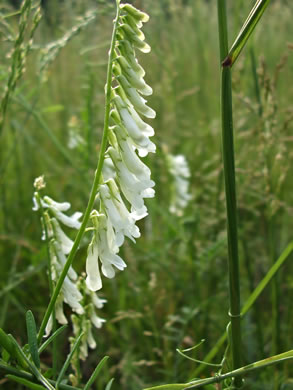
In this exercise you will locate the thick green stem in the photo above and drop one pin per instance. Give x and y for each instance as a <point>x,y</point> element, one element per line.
<point>95,185</point>
<point>230,189</point>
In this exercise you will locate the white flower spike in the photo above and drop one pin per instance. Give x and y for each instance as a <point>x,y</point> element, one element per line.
<point>118,214</point>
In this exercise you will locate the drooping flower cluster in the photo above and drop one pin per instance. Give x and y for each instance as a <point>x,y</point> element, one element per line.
<point>179,170</point>
<point>123,192</point>
<point>60,246</point>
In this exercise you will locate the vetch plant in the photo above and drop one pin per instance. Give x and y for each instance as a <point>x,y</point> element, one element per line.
<point>119,189</point>
<point>117,203</point>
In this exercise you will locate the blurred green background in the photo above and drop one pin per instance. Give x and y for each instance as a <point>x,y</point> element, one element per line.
<point>174,291</point>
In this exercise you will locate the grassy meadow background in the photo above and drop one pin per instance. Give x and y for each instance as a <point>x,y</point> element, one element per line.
<point>174,291</point>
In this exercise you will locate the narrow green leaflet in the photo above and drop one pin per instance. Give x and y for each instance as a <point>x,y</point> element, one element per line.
<point>68,360</point>
<point>25,382</point>
<point>51,338</point>
<point>95,373</point>
<point>109,384</point>
<point>245,32</point>
<point>32,337</point>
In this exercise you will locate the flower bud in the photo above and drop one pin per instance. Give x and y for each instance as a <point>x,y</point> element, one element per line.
<point>134,97</point>
<point>128,19</point>
<point>133,78</point>
<point>127,51</point>
<point>130,34</point>
<point>135,13</point>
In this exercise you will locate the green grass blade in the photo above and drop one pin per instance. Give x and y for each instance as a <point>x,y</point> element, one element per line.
<point>68,360</point>
<point>265,281</point>
<point>51,135</point>
<point>32,337</point>
<point>245,32</point>
<point>51,338</point>
<point>248,304</point>
<point>95,373</point>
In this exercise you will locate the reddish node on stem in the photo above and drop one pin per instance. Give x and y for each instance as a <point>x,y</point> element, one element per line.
<point>227,62</point>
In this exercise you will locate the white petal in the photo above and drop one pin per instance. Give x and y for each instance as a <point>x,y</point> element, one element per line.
<point>107,269</point>
<point>97,321</point>
<point>49,327</point>
<point>98,302</point>
<point>130,158</point>
<point>58,206</point>
<point>93,280</point>
<point>127,51</point>
<point>60,317</point>
<point>62,260</point>
<point>90,339</point>
<point>36,206</point>
<point>72,296</point>
<point>66,220</point>
<point>65,242</point>
<point>134,97</point>
<point>132,77</point>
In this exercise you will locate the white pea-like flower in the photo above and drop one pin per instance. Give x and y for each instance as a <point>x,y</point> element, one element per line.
<point>121,219</point>
<point>60,259</point>
<point>127,51</point>
<point>65,242</point>
<point>93,280</point>
<point>104,248</point>
<point>134,78</point>
<point>133,189</point>
<point>95,319</point>
<point>141,142</point>
<point>138,102</point>
<point>57,210</point>
<point>130,34</point>
<point>60,316</point>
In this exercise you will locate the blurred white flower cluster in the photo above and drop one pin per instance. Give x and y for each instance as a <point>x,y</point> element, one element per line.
<point>180,196</point>
<point>127,179</point>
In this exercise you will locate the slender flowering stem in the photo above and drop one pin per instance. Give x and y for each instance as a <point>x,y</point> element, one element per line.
<point>95,185</point>
<point>230,189</point>
<point>51,286</point>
